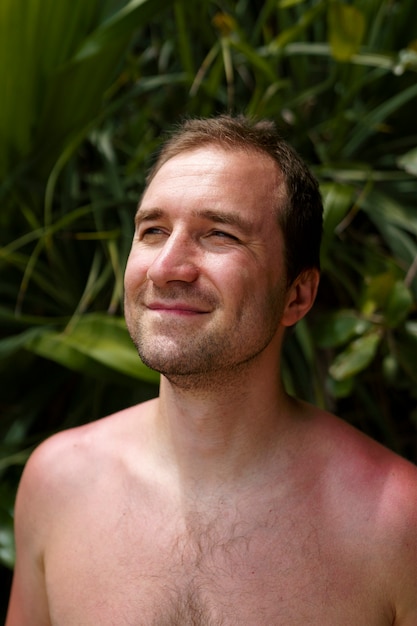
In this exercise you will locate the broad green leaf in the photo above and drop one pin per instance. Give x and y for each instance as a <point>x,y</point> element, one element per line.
<point>377,292</point>
<point>340,388</point>
<point>346,30</point>
<point>335,329</point>
<point>399,304</point>
<point>357,356</point>
<point>93,339</point>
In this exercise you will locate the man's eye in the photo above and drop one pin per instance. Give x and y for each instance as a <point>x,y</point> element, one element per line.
<point>223,235</point>
<point>151,232</point>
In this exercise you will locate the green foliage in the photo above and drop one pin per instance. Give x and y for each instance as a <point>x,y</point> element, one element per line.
<point>88,89</point>
<point>93,342</point>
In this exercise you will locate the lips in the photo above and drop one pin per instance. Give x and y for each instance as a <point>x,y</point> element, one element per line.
<point>176,307</point>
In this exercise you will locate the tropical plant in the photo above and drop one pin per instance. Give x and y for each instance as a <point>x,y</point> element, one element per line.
<point>88,90</point>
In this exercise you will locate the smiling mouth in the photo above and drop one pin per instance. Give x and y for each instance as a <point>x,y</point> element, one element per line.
<point>176,308</point>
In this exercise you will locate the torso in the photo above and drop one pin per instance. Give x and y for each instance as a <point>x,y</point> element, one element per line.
<point>126,551</point>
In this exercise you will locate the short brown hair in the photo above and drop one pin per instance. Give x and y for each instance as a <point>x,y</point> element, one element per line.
<point>300,216</point>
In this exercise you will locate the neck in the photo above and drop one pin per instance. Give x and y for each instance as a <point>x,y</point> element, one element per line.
<point>223,430</point>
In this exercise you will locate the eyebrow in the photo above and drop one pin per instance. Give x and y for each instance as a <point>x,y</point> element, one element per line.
<point>220,217</point>
<point>143,215</point>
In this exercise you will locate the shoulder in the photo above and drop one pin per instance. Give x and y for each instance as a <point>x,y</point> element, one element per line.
<point>396,530</point>
<point>374,498</point>
<point>363,471</point>
<point>63,480</point>
<point>69,463</point>
<point>75,449</point>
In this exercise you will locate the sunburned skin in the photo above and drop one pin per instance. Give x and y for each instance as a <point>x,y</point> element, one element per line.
<point>129,546</point>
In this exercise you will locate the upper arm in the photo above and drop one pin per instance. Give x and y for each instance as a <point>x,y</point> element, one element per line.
<point>28,604</point>
<point>406,589</point>
<point>402,538</point>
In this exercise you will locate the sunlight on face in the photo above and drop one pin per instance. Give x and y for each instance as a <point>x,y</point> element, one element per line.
<point>205,277</point>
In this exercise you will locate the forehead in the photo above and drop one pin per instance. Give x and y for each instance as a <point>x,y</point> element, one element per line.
<point>238,177</point>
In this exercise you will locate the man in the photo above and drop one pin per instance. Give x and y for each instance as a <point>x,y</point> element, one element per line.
<point>224,501</point>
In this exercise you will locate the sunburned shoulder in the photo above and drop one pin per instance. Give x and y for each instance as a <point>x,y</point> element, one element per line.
<point>372,493</point>
<point>369,496</point>
<point>364,468</point>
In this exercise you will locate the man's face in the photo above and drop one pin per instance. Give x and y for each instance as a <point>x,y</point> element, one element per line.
<point>205,279</point>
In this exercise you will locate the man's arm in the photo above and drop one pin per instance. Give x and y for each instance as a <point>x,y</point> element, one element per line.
<point>28,605</point>
<point>402,541</point>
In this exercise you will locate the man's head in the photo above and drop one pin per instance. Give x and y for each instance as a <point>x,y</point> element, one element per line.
<point>299,210</point>
<point>207,289</point>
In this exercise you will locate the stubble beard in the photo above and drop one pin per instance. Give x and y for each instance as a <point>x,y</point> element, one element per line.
<point>210,356</point>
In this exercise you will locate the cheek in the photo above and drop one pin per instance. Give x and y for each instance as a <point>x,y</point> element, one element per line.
<point>135,272</point>
<point>237,287</point>
<point>128,278</point>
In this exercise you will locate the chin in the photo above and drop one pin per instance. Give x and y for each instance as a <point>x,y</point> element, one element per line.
<point>171,367</point>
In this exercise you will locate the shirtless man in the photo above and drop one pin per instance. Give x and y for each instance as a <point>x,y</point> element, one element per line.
<point>224,501</point>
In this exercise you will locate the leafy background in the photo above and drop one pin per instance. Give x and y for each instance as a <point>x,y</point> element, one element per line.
<point>88,91</point>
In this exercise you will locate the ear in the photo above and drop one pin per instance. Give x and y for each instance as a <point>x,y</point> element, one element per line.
<point>300,296</point>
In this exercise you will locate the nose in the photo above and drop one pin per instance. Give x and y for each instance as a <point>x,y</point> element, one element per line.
<point>175,262</point>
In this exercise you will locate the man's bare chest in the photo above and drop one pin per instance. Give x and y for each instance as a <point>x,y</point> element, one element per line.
<point>161,570</point>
